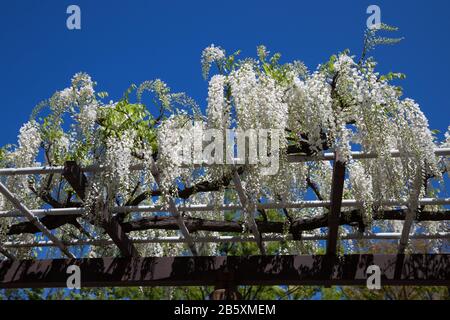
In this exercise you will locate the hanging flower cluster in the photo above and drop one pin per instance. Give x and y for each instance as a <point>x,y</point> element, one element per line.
<point>211,55</point>
<point>29,142</point>
<point>118,160</point>
<point>361,186</point>
<point>446,144</point>
<point>218,115</point>
<point>310,108</point>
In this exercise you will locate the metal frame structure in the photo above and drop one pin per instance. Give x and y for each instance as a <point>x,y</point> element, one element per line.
<point>398,269</point>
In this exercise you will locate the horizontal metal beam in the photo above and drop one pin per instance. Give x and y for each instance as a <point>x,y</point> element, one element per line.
<point>327,156</point>
<point>320,270</point>
<point>224,239</point>
<point>347,203</point>
<point>356,155</point>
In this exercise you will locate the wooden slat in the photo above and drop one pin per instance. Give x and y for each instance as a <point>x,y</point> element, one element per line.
<point>321,270</point>
<point>337,190</point>
<point>76,178</point>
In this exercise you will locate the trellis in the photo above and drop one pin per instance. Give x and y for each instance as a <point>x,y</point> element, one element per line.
<point>223,272</point>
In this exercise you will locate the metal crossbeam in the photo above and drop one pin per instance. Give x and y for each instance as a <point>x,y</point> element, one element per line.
<point>32,218</point>
<point>357,155</point>
<point>347,203</point>
<point>316,270</point>
<point>236,239</point>
<point>327,156</point>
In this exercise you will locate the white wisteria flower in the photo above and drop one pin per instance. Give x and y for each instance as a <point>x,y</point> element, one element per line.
<point>211,55</point>
<point>29,142</point>
<point>118,161</point>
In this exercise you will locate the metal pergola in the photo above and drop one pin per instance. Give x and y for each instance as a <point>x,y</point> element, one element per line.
<point>222,272</point>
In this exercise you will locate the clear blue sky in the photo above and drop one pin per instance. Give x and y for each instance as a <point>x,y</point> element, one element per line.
<point>131,41</point>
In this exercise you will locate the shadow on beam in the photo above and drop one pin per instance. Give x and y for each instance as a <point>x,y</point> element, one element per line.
<point>417,269</point>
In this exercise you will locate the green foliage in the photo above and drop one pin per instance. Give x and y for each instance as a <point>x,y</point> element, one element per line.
<point>125,116</point>
<point>4,152</point>
<point>333,293</point>
<point>372,39</point>
<point>395,293</point>
<point>392,76</point>
<point>247,292</point>
<point>282,73</point>
<point>328,67</point>
<point>230,62</point>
